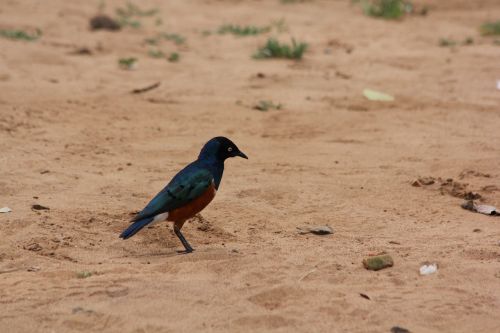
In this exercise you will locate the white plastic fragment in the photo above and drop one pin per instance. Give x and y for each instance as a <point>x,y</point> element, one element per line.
<point>498,84</point>
<point>5,210</point>
<point>483,209</point>
<point>428,269</point>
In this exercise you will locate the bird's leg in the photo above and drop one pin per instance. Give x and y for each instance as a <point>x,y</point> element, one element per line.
<point>177,230</point>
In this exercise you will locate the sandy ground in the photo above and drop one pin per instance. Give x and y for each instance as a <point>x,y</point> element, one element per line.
<point>73,138</point>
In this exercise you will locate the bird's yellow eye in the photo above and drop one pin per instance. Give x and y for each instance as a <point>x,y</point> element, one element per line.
<point>230,149</point>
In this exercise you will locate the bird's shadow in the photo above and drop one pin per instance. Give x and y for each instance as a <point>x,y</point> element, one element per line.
<point>162,254</point>
<point>185,252</point>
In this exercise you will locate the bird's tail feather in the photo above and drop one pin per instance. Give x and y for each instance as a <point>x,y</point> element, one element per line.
<point>135,227</point>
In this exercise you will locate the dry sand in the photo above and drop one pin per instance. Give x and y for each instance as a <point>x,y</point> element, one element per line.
<point>73,138</point>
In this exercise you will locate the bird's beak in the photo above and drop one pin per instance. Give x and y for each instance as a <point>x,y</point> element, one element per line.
<point>241,154</point>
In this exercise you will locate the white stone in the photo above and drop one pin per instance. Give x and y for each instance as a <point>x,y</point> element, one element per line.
<point>428,269</point>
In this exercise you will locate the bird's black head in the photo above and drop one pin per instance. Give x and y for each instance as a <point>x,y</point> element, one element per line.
<point>220,148</point>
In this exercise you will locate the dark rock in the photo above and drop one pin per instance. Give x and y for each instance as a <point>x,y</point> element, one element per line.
<point>321,230</point>
<point>39,207</point>
<point>472,196</point>
<point>82,51</point>
<point>104,22</point>
<point>364,296</point>
<point>426,180</point>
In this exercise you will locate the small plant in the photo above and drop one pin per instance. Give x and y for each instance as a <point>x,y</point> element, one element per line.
<point>126,15</point>
<point>152,40</point>
<point>176,38</point>
<point>156,54</point>
<point>83,274</point>
<point>468,41</point>
<point>128,22</point>
<point>127,63</point>
<point>490,28</point>
<point>173,57</point>
<point>288,2</point>
<point>267,105</point>
<point>446,42</point>
<point>387,9</point>
<point>280,25</point>
<point>275,49</point>
<point>133,10</point>
<point>237,30</point>
<point>101,6</point>
<point>21,35</point>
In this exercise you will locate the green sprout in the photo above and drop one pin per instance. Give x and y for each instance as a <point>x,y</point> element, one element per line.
<point>237,30</point>
<point>127,22</point>
<point>176,38</point>
<point>274,49</point>
<point>490,28</point>
<point>20,34</point>
<point>126,15</point>
<point>387,9</point>
<point>127,63</point>
<point>173,57</point>
<point>156,54</point>
<point>152,40</point>
<point>446,42</point>
<point>133,10</point>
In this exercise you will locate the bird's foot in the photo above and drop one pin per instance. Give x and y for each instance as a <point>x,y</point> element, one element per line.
<point>186,251</point>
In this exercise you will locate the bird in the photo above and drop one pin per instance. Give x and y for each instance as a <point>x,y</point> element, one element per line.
<point>189,191</point>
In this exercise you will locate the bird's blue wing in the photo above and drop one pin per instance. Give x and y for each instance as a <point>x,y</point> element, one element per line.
<point>186,186</point>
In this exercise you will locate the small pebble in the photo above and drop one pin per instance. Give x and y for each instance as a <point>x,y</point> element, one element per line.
<point>104,22</point>
<point>39,207</point>
<point>364,296</point>
<point>317,230</point>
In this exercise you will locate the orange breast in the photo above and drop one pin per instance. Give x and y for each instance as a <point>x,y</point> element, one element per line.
<point>191,209</point>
